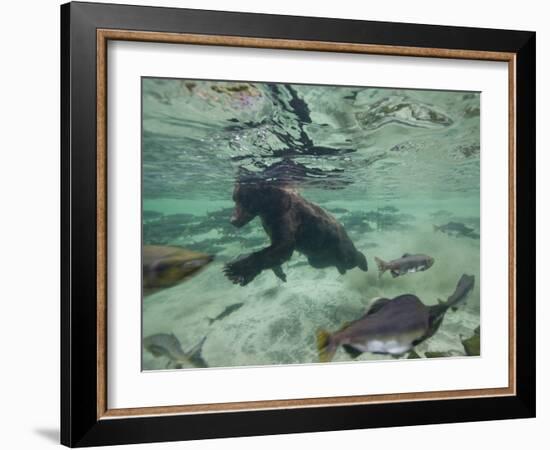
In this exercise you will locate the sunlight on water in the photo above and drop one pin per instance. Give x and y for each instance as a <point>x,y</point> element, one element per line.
<point>388,164</point>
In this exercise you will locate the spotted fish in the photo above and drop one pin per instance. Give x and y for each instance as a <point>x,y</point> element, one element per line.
<point>406,264</point>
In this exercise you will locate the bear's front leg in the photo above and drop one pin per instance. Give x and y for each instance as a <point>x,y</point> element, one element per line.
<point>242,271</point>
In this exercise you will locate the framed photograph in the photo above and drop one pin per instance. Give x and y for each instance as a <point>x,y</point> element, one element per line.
<point>276,224</point>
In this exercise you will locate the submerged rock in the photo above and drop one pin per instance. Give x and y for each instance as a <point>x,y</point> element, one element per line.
<point>466,150</point>
<point>472,344</point>
<point>407,146</point>
<point>442,354</point>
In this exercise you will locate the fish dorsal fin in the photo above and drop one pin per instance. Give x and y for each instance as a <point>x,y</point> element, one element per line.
<point>440,302</point>
<point>195,354</point>
<point>405,255</point>
<point>351,351</point>
<point>377,306</point>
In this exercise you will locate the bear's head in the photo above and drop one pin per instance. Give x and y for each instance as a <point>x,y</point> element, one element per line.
<point>257,199</point>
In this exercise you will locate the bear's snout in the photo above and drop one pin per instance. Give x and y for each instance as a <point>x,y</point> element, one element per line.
<point>234,220</point>
<point>240,217</point>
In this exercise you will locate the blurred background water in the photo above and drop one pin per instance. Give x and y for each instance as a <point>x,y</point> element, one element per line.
<point>389,164</point>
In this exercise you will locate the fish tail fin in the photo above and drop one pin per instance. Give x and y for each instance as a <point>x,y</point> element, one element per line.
<point>195,354</point>
<point>325,346</point>
<point>436,228</point>
<point>197,348</point>
<point>210,320</point>
<point>382,266</point>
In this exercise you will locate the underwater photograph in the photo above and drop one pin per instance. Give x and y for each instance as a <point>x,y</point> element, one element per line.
<point>308,224</point>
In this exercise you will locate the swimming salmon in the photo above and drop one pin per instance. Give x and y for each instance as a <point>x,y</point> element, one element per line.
<point>463,288</point>
<point>392,326</point>
<point>437,312</point>
<point>169,346</point>
<point>389,327</point>
<point>229,310</point>
<point>454,229</point>
<point>166,266</point>
<point>406,264</point>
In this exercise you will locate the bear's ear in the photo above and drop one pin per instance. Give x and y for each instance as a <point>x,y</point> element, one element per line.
<point>249,196</point>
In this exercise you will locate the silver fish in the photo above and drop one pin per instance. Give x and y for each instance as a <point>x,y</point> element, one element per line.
<point>406,264</point>
<point>169,346</point>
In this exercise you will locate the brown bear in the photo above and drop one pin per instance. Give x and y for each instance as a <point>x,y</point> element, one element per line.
<point>292,223</point>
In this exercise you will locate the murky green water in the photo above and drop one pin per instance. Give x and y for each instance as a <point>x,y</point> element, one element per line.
<point>388,164</point>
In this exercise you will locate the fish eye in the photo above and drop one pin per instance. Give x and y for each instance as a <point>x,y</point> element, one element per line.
<point>161,267</point>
